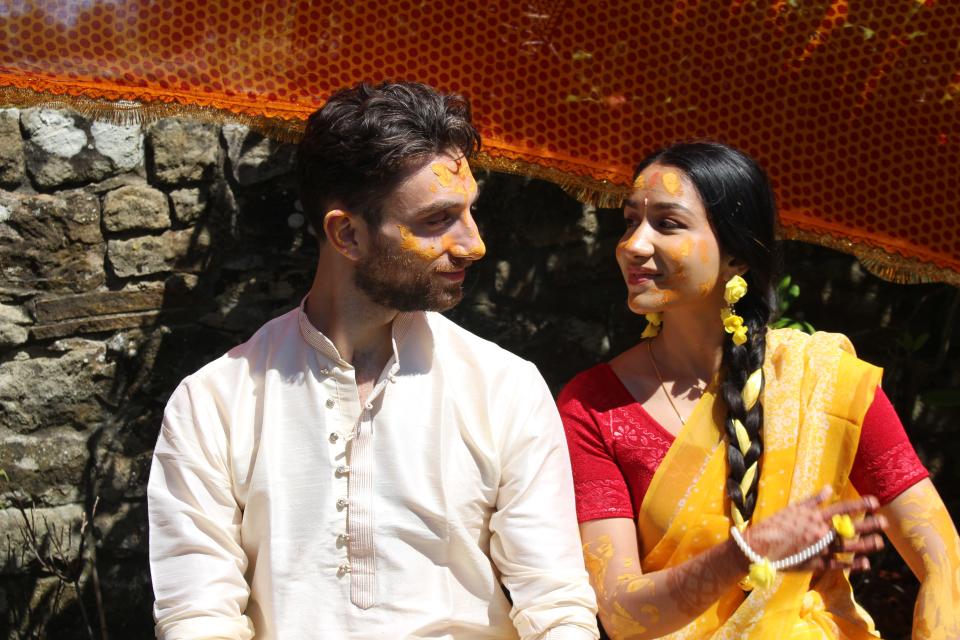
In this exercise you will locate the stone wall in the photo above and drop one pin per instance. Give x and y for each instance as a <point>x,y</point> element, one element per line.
<point>130,256</point>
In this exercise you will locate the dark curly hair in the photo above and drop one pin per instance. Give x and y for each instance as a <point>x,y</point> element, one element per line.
<point>740,204</point>
<point>366,138</point>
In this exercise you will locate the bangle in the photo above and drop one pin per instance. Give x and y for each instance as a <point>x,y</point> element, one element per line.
<point>763,571</point>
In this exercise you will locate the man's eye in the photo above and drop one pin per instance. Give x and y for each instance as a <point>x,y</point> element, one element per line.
<point>438,220</point>
<point>630,223</point>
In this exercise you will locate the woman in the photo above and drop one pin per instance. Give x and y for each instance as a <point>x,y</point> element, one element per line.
<point>719,465</point>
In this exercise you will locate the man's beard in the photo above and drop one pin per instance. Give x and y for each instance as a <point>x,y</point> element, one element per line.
<point>398,281</point>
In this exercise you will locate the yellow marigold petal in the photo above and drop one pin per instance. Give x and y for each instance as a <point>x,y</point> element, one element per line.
<point>743,439</point>
<point>738,518</point>
<point>762,574</point>
<point>751,390</point>
<point>843,524</point>
<point>735,289</point>
<point>748,478</point>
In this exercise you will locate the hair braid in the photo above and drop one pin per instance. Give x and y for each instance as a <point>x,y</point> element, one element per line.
<point>739,362</point>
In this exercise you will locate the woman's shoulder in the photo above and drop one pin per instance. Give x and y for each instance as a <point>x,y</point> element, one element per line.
<point>586,383</point>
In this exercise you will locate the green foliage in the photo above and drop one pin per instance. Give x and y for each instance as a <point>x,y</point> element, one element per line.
<point>787,294</point>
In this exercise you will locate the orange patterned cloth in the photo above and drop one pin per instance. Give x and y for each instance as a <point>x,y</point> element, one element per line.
<point>853,107</point>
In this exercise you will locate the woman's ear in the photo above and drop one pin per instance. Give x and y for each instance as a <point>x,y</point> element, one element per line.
<point>342,231</point>
<point>731,266</point>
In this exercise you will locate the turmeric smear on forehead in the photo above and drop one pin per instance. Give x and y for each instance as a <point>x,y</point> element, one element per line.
<point>671,182</point>
<point>461,182</point>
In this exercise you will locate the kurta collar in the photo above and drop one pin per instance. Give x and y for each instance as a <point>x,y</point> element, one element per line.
<point>325,347</point>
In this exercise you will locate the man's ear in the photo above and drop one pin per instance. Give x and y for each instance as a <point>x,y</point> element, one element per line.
<point>343,231</point>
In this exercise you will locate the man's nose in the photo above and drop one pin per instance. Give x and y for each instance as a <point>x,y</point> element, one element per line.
<point>467,243</point>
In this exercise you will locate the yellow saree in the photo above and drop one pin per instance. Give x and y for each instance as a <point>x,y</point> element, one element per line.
<point>815,397</point>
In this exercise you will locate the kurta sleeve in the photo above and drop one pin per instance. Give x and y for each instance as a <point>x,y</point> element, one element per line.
<point>535,543</point>
<point>886,464</point>
<point>600,487</point>
<point>196,561</point>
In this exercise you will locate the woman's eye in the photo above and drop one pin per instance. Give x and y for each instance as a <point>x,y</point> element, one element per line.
<point>667,223</point>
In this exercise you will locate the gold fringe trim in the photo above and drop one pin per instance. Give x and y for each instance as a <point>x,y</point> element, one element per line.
<point>881,263</point>
<point>129,112</point>
<point>600,193</point>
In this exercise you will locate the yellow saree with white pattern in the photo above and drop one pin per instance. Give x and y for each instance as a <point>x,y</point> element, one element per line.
<point>815,397</point>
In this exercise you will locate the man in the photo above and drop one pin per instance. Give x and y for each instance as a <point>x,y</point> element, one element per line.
<point>362,467</point>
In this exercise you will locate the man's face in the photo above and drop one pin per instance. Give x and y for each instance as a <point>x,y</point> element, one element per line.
<point>417,259</point>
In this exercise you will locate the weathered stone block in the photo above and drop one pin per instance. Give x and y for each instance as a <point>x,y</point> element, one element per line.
<point>34,463</point>
<point>11,333</point>
<point>51,242</point>
<point>49,392</point>
<point>254,158</point>
<point>142,296</point>
<point>188,204</point>
<point>123,144</point>
<point>182,151</point>
<point>53,526</point>
<point>96,324</point>
<point>135,207</point>
<point>11,149</point>
<point>58,152</point>
<point>182,250</point>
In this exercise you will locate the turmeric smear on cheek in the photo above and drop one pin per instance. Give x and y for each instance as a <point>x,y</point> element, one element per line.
<point>703,252</point>
<point>424,250</point>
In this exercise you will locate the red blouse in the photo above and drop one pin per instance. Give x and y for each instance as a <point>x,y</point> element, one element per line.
<point>616,447</point>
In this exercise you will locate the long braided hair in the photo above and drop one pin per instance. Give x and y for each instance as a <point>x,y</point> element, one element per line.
<point>740,204</point>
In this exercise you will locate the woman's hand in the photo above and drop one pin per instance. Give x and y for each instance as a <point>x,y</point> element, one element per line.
<point>800,525</point>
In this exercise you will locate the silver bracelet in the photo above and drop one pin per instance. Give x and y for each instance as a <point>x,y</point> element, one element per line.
<point>790,561</point>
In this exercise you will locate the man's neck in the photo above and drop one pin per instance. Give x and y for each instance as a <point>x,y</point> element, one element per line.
<point>357,327</point>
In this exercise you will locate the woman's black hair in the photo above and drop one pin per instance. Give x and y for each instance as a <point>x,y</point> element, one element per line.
<point>741,207</point>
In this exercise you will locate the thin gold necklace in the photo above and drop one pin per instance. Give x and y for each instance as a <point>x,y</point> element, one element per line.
<point>663,387</point>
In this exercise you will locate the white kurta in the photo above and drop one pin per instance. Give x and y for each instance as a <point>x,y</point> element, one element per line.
<point>282,508</point>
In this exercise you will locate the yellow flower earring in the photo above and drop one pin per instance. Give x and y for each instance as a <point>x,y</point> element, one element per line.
<point>735,289</point>
<point>654,320</point>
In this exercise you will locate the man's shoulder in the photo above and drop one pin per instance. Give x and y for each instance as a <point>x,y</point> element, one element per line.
<point>272,337</point>
<point>470,347</point>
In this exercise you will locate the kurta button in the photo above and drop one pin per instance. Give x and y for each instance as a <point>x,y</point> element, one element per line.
<point>343,470</point>
<point>368,406</point>
<point>324,371</point>
<point>343,569</point>
<point>343,539</point>
<point>330,403</point>
<point>342,503</point>
<point>334,437</point>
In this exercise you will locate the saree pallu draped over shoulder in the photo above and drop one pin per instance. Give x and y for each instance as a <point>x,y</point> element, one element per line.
<point>815,396</point>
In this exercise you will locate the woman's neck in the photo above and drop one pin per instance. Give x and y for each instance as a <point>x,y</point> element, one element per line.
<point>690,344</point>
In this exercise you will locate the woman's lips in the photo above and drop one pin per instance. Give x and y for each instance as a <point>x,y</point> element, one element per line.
<point>640,276</point>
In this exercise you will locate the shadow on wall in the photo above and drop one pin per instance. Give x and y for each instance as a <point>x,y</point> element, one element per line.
<point>131,257</point>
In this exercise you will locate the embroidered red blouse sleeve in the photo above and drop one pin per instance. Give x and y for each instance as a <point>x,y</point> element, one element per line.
<point>886,464</point>
<point>600,488</point>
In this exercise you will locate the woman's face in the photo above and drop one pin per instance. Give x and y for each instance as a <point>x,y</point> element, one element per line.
<point>669,254</point>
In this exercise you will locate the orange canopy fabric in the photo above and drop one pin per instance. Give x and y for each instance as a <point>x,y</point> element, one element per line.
<point>852,107</point>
